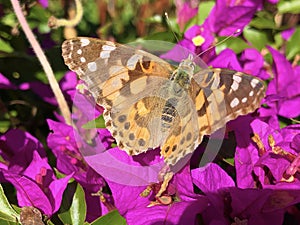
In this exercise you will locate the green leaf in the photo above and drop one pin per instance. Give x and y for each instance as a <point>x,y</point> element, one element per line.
<point>292,6</point>
<point>91,12</point>
<point>77,211</point>
<point>5,46</point>
<point>4,222</point>
<point>95,123</point>
<point>7,213</point>
<point>230,161</point>
<point>38,15</point>
<point>236,44</point>
<point>293,46</point>
<point>60,175</point>
<point>257,38</point>
<point>160,36</point>
<point>204,10</point>
<point>278,40</point>
<point>263,20</point>
<point>4,126</point>
<point>112,217</point>
<point>9,19</point>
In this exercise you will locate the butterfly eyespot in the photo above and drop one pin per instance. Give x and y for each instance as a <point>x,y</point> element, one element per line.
<point>131,136</point>
<point>142,142</point>
<point>189,136</point>
<point>122,118</point>
<point>126,125</point>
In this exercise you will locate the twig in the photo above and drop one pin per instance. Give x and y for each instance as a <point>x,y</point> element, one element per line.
<point>62,104</point>
<point>53,22</point>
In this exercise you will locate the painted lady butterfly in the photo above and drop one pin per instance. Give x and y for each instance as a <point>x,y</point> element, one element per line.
<point>149,103</point>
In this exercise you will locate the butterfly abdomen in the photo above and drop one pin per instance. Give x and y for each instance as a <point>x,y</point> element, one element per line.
<point>168,113</point>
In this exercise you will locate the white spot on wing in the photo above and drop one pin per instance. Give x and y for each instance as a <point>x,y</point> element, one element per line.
<point>235,85</point>
<point>84,42</point>
<point>254,82</point>
<point>234,102</point>
<point>132,61</point>
<point>108,48</point>
<point>104,54</point>
<point>244,100</point>
<point>79,51</point>
<point>82,59</point>
<point>251,93</point>
<point>92,66</point>
<point>238,79</point>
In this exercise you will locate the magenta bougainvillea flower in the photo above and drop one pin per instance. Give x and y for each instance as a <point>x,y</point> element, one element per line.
<point>241,13</point>
<point>26,167</point>
<point>281,100</point>
<point>65,144</point>
<point>17,147</point>
<point>182,209</point>
<point>38,186</point>
<point>272,150</point>
<point>226,59</point>
<point>69,159</point>
<point>286,34</point>
<point>196,39</point>
<point>44,3</point>
<point>5,83</point>
<point>67,84</point>
<point>252,63</point>
<point>185,11</point>
<point>232,205</point>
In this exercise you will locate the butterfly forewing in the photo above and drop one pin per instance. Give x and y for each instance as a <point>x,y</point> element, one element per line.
<point>146,108</point>
<point>106,66</point>
<point>224,95</point>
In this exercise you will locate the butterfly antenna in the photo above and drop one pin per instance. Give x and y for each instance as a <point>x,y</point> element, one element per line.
<point>228,37</point>
<point>169,24</point>
<point>177,40</point>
